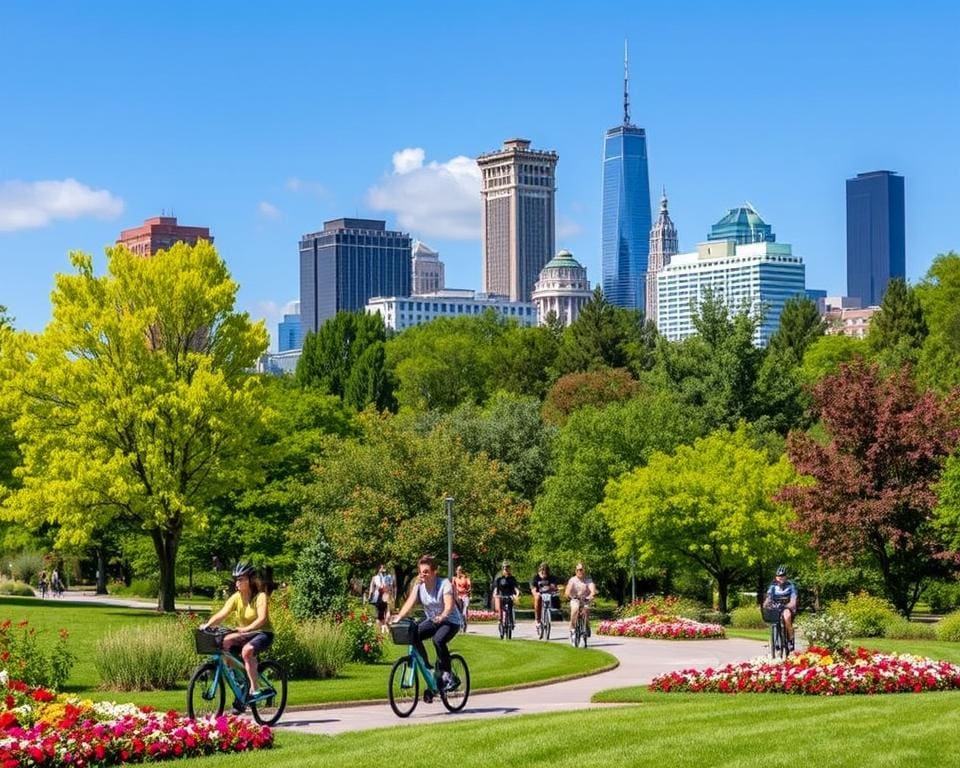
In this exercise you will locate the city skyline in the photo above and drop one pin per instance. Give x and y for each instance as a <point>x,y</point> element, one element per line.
<point>247,150</point>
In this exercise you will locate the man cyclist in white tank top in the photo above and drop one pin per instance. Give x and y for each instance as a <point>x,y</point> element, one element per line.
<point>443,620</point>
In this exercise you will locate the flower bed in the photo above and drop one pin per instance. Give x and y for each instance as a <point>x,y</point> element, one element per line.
<point>39,728</point>
<point>819,672</point>
<point>661,627</point>
<point>481,615</point>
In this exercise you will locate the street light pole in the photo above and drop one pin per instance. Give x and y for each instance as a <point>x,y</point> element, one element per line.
<point>633,579</point>
<point>448,503</point>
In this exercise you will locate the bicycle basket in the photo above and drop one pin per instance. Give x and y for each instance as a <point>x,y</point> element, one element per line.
<point>404,631</point>
<point>771,614</point>
<point>207,642</point>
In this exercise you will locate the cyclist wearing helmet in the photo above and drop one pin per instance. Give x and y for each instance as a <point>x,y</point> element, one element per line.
<point>543,586</point>
<point>783,593</point>
<point>505,585</point>
<point>248,609</point>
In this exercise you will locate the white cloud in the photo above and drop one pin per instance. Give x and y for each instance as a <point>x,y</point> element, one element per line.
<point>568,228</point>
<point>268,211</point>
<point>33,204</point>
<point>439,200</point>
<point>296,184</point>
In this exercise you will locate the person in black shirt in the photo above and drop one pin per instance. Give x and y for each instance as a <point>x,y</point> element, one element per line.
<point>543,585</point>
<point>505,585</point>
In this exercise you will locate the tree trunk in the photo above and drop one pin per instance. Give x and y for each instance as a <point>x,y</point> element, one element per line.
<point>101,571</point>
<point>166,544</point>
<point>723,588</point>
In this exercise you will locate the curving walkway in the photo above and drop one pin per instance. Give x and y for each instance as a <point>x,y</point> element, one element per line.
<point>640,661</point>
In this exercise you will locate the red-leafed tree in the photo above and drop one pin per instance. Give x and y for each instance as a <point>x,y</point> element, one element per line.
<point>872,490</point>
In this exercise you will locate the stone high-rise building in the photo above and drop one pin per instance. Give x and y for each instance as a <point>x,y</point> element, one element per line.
<point>518,230</point>
<point>428,273</point>
<point>159,234</point>
<point>663,247</point>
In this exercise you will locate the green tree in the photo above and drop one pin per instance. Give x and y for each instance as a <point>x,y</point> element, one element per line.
<point>134,405</point>
<point>330,354</point>
<point>939,294</point>
<point>598,388</point>
<point>509,430</point>
<point>827,354</point>
<point>897,330</point>
<point>593,447</point>
<point>370,383</point>
<point>800,326</point>
<point>319,583</point>
<point>709,504</point>
<point>526,360</point>
<point>606,336</point>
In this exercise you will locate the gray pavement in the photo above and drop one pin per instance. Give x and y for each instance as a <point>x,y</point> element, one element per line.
<point>639,662</point>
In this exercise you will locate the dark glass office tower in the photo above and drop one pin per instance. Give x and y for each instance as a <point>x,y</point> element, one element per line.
<point>347,264</point>
<point>876,242</point>
<point>626,211</point>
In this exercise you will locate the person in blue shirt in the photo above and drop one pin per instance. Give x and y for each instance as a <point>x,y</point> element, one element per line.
<point>783,593</point>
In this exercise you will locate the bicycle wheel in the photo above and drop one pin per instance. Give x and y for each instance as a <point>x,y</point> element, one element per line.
<point>774,640</point>
<point>404,688</point>
<point>205,694</point>
<point>267,710</point>
<point>456,699</point>
<point>500,628</point>
<point>546,624</point>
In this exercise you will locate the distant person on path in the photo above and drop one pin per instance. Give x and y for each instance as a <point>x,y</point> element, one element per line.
<point>580,591</point>
<point>443,617</point>
<point>543,585</point>
<point>783,593</point>
<point>42,583</point>
<point>463,586</point>
<point>381,594</point>
<point>55,584</point>
<point>249,612</point>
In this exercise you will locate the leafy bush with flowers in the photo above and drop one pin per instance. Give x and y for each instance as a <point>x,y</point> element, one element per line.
<point>867,614</point>
<point>819,672</point>
<point>365,642</point>
<point>661,627</point>
<point>826,630</point>
<point>41,729</point>
<point>662,605</point>
<point>33,662</point>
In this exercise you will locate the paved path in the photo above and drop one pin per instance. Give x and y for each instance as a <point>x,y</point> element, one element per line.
<point>640,661</point>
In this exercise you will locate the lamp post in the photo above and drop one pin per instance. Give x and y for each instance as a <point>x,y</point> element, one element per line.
<point>448,504</point>
<point>633,578</point>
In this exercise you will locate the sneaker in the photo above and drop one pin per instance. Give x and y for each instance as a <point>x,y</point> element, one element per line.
<point>239,707</point>
<point>453,682</point>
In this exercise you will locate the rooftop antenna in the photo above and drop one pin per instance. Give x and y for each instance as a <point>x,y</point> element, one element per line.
<point>626,86</point>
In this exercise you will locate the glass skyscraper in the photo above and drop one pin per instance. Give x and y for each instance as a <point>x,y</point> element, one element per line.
<point>876,242</point>
<point>626,212</point>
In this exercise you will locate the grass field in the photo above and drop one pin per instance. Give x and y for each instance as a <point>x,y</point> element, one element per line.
<point>765,731</point>
<point>493,663</point>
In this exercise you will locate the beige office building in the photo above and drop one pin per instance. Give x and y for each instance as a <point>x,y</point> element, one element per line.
<point>518,192</point>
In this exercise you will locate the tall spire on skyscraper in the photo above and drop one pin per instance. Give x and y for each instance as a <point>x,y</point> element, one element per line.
<point>626,86</point>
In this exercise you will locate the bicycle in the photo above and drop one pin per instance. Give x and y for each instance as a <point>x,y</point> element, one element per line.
<point>403,689</point>
<point>581,630</point>
<point>506,624</point>
<point>779,644</point>
<point>207,690</point>
<point>546,615</point>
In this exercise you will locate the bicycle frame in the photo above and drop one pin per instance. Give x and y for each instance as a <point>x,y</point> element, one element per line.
<point>419,666</point>
<point>227,661</point>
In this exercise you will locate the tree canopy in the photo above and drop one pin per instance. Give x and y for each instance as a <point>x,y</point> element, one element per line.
<point>134,405</point>
<point>939,295</point>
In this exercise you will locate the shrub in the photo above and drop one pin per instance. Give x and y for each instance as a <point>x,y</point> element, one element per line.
<point>948,628</point>
<point>904,629</point>
<point>319,584</point>
<point>27,566</point>
<point>942,597</point>
<point>868,615</point>
<point>27,660</point>
<point>366,644</point>
<point>826,630</point>
<point>15,588</point>
<point>145,658</point>
<point>664,605</point>
<point>146,588</point>
<point>747,617</point>
<point>329,647</point>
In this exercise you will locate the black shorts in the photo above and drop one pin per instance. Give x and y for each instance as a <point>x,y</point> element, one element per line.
<point>259,640</point>
<point>381,610</point>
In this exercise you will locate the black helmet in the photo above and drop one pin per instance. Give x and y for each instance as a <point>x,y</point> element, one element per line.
<point>781,570</point>
<point>242,569</point>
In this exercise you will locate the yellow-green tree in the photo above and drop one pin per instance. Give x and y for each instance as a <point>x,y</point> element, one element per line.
<point>710,504</point>
<point>133,406</point>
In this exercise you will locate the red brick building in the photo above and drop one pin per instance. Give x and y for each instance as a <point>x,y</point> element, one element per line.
<point>159,234</point>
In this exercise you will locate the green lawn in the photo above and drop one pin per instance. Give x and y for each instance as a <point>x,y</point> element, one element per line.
<point>759,730</point>
<point>493,663</point>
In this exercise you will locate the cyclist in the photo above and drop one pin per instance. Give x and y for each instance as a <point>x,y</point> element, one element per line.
<point>249,610</point>
<point>443,618</point>
<point>543,584</point>
<point>463,586</point>
<point>505,585</point>
<point>783,593</point>
<point>580,591</point>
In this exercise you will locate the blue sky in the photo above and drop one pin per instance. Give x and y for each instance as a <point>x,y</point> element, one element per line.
<point>261,122</point>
